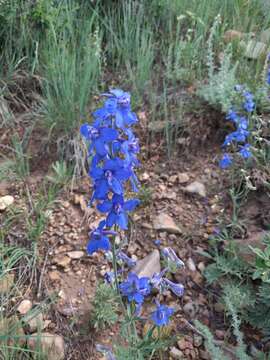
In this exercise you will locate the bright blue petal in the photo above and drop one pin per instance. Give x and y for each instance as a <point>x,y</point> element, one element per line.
<point>108,134</point>
<point>122,221</point>
<point>84,130</point>
<point>105,207</point>
<point>101,189</point>
<point>111,219</point>
<point>123,174</point>
<point>100,244</point>
<point>131,204</point>
<point>100,147</point>
<point>116,186</point>
<point>96,172</point>
<point>119,120</point>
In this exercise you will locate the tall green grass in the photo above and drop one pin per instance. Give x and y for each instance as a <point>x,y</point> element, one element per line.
<point>71,58</point>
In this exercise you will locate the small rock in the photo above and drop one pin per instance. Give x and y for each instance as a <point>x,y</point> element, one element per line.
<point>190,309</point>
<point>54,275</point>
<point>61,260</point>
<point>145,176</point>
<point>231,35</point>
<point>6,282</point>
<point>6,201</point>
<point>176,354</point>
<point>51,344</point>
<point>201,266</point>
<point>191,264</point>
<point>220,334</point>
<point>196,187</point>
<point>182,344</point>
<point>24,307</point>
<point>164,222</point>
<point>197,340</point>
<point>148,265</point>
<point>173,178</point>
<point>183,178</point>
<point>76,254</point>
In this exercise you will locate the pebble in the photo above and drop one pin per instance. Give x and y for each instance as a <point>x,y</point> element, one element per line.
<point>176,354</point>
<point>6,201</point>
<point>24,307</point>
<point>191,264</point>
<point>196,187</point>
<point>164,222</point>
<point>220,334</point>
<point>54,275</point>
<point>76,254</point>
<point>51,344</point>
<point>61,260</point>
<point>201,266</point>
<point>183,178</point>
<point>190,309</point>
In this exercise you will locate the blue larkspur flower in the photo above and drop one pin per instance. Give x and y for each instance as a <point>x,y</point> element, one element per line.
<point>161,316</point>
<point>125,259</point>
<point>157,280</point>
<point>170,255</point>
<point>117,209</point>
<point>135,288</point>
<point>99,138</point>
<point>249,103</point>
<point>268,77</point>
<point>99,239</point>
<point>109,177</point>
<point>177,289</point>
<point>225,161</point>
<point>109,277</point>
<point>232,115</point>
<point>245,151</point>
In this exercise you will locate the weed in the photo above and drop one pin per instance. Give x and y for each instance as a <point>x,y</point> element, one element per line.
<point>62,173</point>
<point>103,316</point>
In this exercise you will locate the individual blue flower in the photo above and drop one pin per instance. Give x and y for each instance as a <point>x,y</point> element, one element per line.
<point>268,77</point>
<point>135,288</point>
<point>157,242</point>
<point>157,280</point>
<point>177,289</point>
<point>161,316</point>
<point>125,259</point>
<point>232,115</point>
<point>105,114</point>
<point>109,177</point>
<point>242,123</point>
<point>124,117</point>
<point>249,103</point>
<point>99,138</point>
<point>117,209</point>
<point>240,135</point>
<point>245,151</point>
<point>225,161</point>
<point>171,256</point>
<point>109,277</point>
<point>99,239</point>
<point>130,148</point>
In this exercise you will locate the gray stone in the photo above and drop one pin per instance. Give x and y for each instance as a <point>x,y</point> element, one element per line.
<point>176,354</point>
<point>164,222</point>
<point>51,344</point>
<point>6,201</point>
<point>196,187</point>
<point>149,265</point>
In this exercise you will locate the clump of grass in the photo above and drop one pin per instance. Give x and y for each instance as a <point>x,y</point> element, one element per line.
<point>71,56</point>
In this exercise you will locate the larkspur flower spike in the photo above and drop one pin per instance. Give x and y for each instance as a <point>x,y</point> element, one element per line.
<point>113,149</point>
